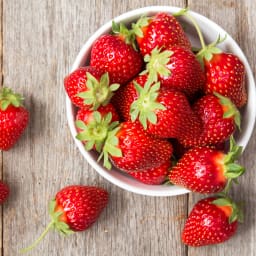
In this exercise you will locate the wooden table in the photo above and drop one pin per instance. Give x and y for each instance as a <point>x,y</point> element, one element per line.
<point>39,42</point>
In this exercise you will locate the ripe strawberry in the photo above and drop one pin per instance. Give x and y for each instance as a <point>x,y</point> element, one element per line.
<point>93,126</point>
<point>164,113</point>
<point>130,148</point>
<point>211,221</point>
<point>13,118</point>
<point>75,208</point>
<point>225,74</point>
<point>219,117</point>
<point>206,170</point>
<point>175,68</point>
<point>4,192</point>
<point>87,87</point>
<point>154,176</point>
<point>110,53</point>
<point>161,30</point>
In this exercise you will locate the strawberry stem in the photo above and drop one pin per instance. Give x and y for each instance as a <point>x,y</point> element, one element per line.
<point>8,97</point>
<point>37,241</point>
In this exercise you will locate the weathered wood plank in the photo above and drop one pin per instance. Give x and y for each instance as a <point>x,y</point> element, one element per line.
<point>41,40</point>
<point>236,17</point>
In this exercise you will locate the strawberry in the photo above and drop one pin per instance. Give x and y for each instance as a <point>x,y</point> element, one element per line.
<point>111,53</point>
<point>14,118</point>
<point>93,126</point>
<point>87,87</point>
<point>206,170</point>
<point>212,220</point>
<point>164,113</point>
<point>130,148</point>
<point>161,30</point>
<point>225,72</point>
<point>4,192</point>
<point>175,68</point>
<point>75,208</point>
<point>219,117</point>
<point>154,176</point>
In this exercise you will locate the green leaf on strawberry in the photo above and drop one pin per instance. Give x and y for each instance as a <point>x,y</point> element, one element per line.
<point>99,92</point>
<point>8,97</point>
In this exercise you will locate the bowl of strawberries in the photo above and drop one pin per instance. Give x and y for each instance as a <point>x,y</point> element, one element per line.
<point>157,95</point>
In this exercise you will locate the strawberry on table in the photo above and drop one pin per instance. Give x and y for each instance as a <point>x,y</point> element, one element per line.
<point>93,126</point>
<point>175,68</point>
<point>75,208</point>
<point>206,170</point>
<point>154,176</point>
<point>87,87</point>
<point>212,220</point>
<point>115,54</point>
<point>4,192</point>
<point>219,117</point>
<point>161,30</point>
<point>130,148</point>
<point>14,118</point>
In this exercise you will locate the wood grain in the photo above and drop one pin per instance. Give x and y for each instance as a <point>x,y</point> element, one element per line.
<point>236,18</point>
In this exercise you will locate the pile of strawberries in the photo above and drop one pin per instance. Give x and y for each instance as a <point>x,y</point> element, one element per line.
<point>146,100</point>
<point>158,112</point>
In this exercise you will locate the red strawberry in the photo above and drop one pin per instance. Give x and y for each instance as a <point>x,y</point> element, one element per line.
<point>211,221</point>
<point>165,113</point>
<point>206,170</point>
<point>93,126</point>
<point>225,74</point>
<point>219,117</point>
<point>75,208</point>
<point>175,68</point>
<point>161,30</point>
<point>154,176</point>
<point>4,192</point>
<point>111,54</point>
<point>87,87</point>
<point>13,118</point>
<point>130,148</point>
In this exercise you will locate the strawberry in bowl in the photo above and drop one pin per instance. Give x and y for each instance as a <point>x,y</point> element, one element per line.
<point>159,88</point>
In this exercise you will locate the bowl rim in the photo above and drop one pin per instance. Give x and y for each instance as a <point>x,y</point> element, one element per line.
<point>144,189</point>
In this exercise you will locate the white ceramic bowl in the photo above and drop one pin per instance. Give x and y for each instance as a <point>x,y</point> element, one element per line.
<point>210,31</point>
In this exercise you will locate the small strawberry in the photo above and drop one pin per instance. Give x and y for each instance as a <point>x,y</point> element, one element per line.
<point>175,68</point>
<point>14,118</point>
<point>211,221</point>
<point>219,117</point>
<point>225,72</point>
<point>87,87</point>
<point>161,30</point>
<point>154,176</point>
<point>130,148</point>
<point>4,192</point>
<point>164,113</point>
<point>115,54</point>
<point>93,126</point>
<point>206,170</point>
<point>75,208</point>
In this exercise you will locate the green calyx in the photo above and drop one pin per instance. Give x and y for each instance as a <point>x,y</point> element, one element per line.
<point>232,169</point>
<point>145,106</point>
<point>95,132</point>
<point>8,97</point>
<point>206,51</point>
<point>98,92</point>
<point>55,223</point>
<point>141,23</point>
<point>236,214</point>
<point>156,64</point>
<point>127,35</point>
<point>110,148</point>
<point>230,110</point>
